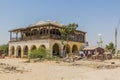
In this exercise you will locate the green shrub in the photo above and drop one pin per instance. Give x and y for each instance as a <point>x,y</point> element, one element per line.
<point>4,49</point>
<point>40,53</point>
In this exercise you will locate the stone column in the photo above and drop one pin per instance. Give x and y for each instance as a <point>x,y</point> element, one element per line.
<point>38,34</point>
<point>15,53</point>
<point>70,51</point>
<point>22,55</point>
<point>16,36</point>
<point>61,51</point>
<point>10,36</point>
<point>30,34</point>
<point>9,52</point>
<point>49,31</point>
<point>50,47</point>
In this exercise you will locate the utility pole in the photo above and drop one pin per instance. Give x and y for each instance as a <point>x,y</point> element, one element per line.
<point>115,40</point>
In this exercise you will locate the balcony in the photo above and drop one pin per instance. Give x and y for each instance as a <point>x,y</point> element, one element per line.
<point>47,36</point>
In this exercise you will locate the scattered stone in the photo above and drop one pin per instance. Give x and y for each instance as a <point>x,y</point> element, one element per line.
<point>6,68</point>
<point>112,62</point>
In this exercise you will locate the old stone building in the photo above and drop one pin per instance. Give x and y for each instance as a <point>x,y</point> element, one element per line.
<point>43,34</point>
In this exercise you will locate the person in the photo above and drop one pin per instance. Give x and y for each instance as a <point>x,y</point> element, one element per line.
<point>89,54</point>
<point>81,53</point>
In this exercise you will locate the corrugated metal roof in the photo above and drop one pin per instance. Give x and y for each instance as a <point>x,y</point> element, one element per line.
<point>90,48</point>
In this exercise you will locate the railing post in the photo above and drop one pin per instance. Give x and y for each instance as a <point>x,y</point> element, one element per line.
<point>10,36</point>
<point>16,36</point>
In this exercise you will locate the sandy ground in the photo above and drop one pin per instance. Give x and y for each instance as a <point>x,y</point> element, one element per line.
<point>80,70</point>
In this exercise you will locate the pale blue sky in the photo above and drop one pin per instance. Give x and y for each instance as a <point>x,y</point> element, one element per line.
<point>93,16</point>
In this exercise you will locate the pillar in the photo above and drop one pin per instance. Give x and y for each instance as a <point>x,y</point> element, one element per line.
<point>38,34</point>
<point>61,51</point>
<point>16,52</point>
<point>9,51</point>
<point>10,36</point>
<point>49,31</point>
<point>16,36</point>
<point>22,53</point>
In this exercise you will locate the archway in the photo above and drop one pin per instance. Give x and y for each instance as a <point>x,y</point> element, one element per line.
<point>25,50</point>
<point>55,33</point>
<point>18,52</point>
<point>27,33</point>
<point>12,49</point>
<point>34,32</point>
<point>75,49</point>
<point>55,50</point>
<point>43,46</point>
<point>66,50</point>
<point>43,31</point>
<point>33,48</point>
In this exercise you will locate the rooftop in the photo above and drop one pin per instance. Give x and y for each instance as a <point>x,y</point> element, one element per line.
<point>40,23</point>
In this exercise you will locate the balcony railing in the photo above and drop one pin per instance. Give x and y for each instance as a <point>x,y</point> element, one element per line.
<point>52,36</point>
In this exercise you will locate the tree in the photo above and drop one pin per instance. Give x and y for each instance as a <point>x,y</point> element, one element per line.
<point>110,47</point>
<point>4,47</point>
<point>66,32</point>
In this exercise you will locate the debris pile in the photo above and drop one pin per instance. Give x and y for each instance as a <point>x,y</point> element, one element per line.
<point>7,68</point>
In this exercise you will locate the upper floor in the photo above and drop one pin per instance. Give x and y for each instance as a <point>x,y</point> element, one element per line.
<point>44,30</point>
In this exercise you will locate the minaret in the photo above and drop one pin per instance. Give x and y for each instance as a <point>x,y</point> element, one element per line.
<point>99,40</point>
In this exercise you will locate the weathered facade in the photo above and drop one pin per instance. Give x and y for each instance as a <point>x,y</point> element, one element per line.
<point>43,34</point>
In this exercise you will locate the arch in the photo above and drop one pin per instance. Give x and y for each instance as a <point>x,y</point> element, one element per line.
<point>25,50</point>
<point>43,31</point>
<point>12,50</point>
<point>56,50</point>
<point>18,51</point>
<point>74,49</point>
<point>33,47</point>
<point>34,32</point>
<point>55,32</point>
<point>66,49</point>
<point>43,46</point>
<point>28,32</point>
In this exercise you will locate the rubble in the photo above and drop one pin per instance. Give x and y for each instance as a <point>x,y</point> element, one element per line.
<point>6,68</point>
